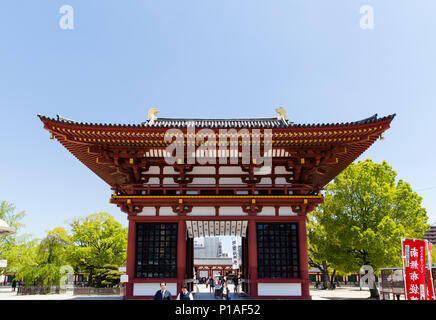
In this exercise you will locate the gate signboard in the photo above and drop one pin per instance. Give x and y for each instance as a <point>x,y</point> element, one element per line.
<point>430,284</point>
<point>235,264</point>
<point>414,268</point>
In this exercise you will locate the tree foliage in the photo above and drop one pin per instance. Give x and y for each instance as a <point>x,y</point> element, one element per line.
<point>98,240</point>
<point>107,276</point>
<point>97,244</point>
<point>21,254</point>
<point>364,215</point>
<point>47,260</point>
<point>8,214</point>
<point>53,249</point>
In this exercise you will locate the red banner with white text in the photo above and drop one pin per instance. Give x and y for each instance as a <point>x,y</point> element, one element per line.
<point>430,288</point>
<point>414,269</point>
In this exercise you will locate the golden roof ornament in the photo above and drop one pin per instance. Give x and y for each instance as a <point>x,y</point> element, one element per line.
<point>282,114</point>
<point>152,115</point>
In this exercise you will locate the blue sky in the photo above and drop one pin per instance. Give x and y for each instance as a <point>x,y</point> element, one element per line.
<point>206,59</point>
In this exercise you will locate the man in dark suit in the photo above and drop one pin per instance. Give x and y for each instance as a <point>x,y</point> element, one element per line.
<point>163,293</point>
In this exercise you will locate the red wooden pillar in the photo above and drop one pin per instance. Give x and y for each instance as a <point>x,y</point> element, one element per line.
<point>304,262</point>
<point>244,269</point>
<point>181,254</point>
<point>191,266</point>
<point>130,264</point>
<point>252,257</point>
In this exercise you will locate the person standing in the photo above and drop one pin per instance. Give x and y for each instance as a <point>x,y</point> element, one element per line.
<point>185,294</point>
<point>235,282</point>
<point>212,285</point>
<point>224,292</point>
<point>217,289</point>
<point>163,293</point>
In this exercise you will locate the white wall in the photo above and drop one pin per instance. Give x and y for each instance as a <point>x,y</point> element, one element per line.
<point>231,211</point>
<point>278,181</point>
<point>168,181</point>
<point>166,211</point>
<point>153,181</point>
<point>149,289</point>
<point>286,211</point>
<point>202,170</point>
<point>169,170</point>
<point>230,181</point>
<point>153,170</point>
<point>281,170</point>
<point>147,211</point>
<point>265,181</point>
<point>264,170</point>
<point>231,170</point>
<point>267,211</point>
<point>202,211</point>
<point>203,181</point>
<point>279,289</point>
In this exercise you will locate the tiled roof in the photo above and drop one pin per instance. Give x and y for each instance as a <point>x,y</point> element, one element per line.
<point>219,123</point>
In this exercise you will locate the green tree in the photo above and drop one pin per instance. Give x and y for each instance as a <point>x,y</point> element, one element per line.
<point>364,215</point>
<point>22,253</point>
<point>13,246</point>
<point>53,249</point>
<point>98,240</point>
<point>318,248</point>
<point>44,268</point>
<point>106,277</point>
<point>8,214</point>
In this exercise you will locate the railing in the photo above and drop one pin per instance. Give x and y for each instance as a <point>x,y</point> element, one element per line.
<point>392,282</point>
<point>220,189</point>
<point>119,291</point>
<point>39,290</point>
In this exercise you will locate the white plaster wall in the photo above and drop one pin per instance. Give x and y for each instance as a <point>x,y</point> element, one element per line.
<point>153,181</point>
<point>231,211</point>
<point>166,211</point>
<point>169,170</point>
<point>149,289</point>
<point>265,181</point>
<point>281,170</point>
<point>281,181</point>
<point>202,211</point>
<point>147,211</point>
<point>231,170</point>
<point>230,181</point>
<point>153,170</point>
<point>267,211</point>
<point>279,289</point>
<point>203,181</point>
<point>265,170</point>
<point>286,211</point>
<point>168,181</point>
<point>203,170</point>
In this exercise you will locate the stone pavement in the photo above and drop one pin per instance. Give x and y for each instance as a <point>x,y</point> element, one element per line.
<point>6,293</point>
<point>203,293</point>
<point>342,293</point>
